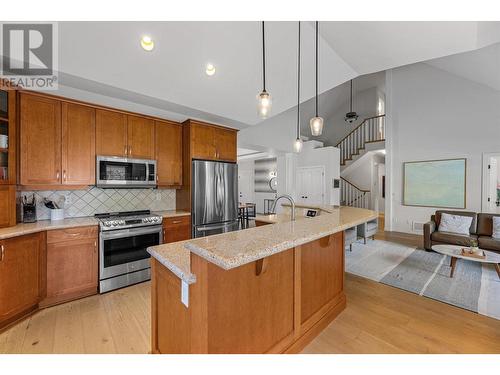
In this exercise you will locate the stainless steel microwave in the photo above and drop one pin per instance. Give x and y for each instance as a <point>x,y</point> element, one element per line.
<point>117,172</point>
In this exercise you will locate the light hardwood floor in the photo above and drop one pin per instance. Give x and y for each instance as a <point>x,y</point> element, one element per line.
<point>378,319</point>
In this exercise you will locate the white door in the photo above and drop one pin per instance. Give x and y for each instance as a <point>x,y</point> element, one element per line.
<point>493,183</point>
<point>491,175</point>
<point>311,185</point>
<point>245,187</point>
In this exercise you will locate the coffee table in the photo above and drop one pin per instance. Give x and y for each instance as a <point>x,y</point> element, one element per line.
<point>455,252</point>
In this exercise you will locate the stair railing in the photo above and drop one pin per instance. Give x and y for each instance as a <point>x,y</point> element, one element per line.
<point>372,129</point>
<point>351,195</point>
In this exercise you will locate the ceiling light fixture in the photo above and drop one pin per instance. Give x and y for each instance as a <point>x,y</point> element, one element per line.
<point>297,145</point>
<point>316,123</point>
<point>210,69</point>
<point>264,100</point>
<point>147,43</point>
<point>351,116</point>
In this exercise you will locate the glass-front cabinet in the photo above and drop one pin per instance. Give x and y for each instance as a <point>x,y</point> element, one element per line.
<point>7,130</point>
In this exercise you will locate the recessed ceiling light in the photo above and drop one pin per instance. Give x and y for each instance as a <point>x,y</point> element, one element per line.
<point>210,70</point>
<point>147,43</point>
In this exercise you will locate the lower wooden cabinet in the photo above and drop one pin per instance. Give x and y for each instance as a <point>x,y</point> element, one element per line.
<point>72,264</point>
<point>176,229</point>
<point>21,275</point>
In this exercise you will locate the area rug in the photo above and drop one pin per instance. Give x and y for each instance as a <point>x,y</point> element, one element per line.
<point>474,286</point>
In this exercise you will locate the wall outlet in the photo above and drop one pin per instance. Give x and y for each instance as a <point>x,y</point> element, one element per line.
<point>68,199</point>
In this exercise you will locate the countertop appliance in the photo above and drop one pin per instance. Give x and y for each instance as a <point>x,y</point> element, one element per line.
<point>117,172</point>
<point>214,197</point>
<point>123,240</point>
<point>28,207</point>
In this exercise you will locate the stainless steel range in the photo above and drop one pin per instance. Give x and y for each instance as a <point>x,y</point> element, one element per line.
<point>123,240</point>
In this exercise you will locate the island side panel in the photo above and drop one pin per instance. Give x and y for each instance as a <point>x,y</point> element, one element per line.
<point>322,274</point>
<point>251,307</point>
<point>170,319</point>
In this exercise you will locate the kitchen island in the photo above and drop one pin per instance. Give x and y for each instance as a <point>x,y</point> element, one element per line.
<point>268,289</point>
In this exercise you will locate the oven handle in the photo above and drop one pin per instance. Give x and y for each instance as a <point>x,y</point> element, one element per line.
<point>130,232</point>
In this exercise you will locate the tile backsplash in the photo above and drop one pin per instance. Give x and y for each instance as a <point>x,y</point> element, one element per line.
<point>81,203</point>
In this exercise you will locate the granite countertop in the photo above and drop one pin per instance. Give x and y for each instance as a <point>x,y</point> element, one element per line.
<point>324,207</point>
<point>42,225</point>
<point>176,258</point>
<point>172,213</point>
<point>234,249</point>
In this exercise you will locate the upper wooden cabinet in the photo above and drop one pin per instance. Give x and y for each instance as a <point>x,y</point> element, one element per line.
<point>124,135</point>
<point>21,275</point>
<point>202,141</point>
<point>225,144</point>
<point>57,142</point>
<point>78,144</point>
<point>212,142</point>
<point>8,129</point>
<point>168,153</point>
<point>140,137</point>
<point>40,144</point>
<point>111,129</point>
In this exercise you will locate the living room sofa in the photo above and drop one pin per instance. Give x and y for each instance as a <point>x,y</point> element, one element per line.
<point>481,229</point>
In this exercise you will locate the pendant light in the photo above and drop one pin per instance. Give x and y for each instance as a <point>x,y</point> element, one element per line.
<point>351,116</point>
<point>264,101</point>
<point>316,123</point>
<point>297,145</point>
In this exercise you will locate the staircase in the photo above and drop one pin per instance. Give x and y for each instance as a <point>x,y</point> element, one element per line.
<point>369,134</point>
<point>351,195</point>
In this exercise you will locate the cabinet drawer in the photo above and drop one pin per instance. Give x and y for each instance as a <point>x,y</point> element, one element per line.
<point>61,235</point>
<point>172,222</point>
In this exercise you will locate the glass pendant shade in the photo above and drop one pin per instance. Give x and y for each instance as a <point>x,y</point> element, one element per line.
<point>316,124</point>
<point>297,145</point>
<point>264,104</point>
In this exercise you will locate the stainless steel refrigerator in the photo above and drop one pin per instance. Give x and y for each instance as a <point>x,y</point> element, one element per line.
<point>214,189</point>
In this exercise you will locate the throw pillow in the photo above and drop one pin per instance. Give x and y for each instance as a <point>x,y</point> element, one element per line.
<point>496,227</point>
<point>455,224</point>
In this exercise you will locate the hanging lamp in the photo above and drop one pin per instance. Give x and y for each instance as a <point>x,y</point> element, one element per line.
<point>316,123</point>
<point>264,101</point>
<point>351,116</point>
<point>297,145</point>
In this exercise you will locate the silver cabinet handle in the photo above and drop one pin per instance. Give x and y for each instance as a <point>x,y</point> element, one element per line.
<point>57,175</point>
<point>129,150</point>
<point>176,221</point>
<point>64,175</point>
<point>3,253</point>
<point>125,150</point>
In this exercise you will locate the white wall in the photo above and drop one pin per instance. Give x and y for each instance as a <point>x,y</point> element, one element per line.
<point>432,114</point>
<point>247,167</point>
<point>365,104</point>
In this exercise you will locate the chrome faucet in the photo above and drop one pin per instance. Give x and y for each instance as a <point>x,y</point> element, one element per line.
<point>292,202</point>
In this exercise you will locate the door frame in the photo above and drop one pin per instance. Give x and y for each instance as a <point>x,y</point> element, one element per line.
<point>485,178</point>
<point>322,167</point>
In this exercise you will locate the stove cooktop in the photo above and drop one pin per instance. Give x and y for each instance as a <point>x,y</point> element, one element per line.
<point>127,219</point>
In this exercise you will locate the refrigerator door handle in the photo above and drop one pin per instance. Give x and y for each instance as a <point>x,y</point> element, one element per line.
<point>212,227</point>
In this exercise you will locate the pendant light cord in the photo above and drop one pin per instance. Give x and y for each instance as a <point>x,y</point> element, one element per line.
<point>263,58</point>
<point>317,68</point>
<point>298,89</point>
<point>351,98</point>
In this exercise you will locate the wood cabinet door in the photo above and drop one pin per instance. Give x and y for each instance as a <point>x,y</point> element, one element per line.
<point>78,144</point>
<point>72,268</point>
<point>322,273</point>
<point>202,142</point>
<point>168,153</point>
<point>141,135</point>
<point>111,133</point>
<point>7,205</point>
<point>225,144</point>
<point>40,140</point>
<point>176,229</point>
<point>20,274</point>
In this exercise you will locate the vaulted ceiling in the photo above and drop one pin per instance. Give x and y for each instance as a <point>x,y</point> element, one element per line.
<point>105,59</point>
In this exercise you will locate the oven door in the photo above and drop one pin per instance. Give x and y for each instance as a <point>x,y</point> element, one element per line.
<point>123,172</point>
<point>124,250</point>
